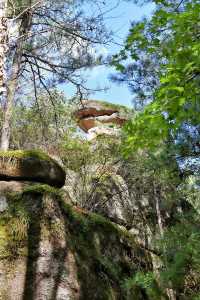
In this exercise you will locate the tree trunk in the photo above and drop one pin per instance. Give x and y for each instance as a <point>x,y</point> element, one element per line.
<point>3,46</point>
<point>11,88</point>
<point>158,211</point>
<point>5,100</point>
<point>12,62</point>
<point>10,85</point>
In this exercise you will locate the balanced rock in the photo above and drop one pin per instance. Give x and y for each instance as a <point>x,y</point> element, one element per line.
<point>31,165</point>
<point>97,117</point>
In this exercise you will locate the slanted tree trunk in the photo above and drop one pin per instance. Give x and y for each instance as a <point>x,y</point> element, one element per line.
<point>11,62</point>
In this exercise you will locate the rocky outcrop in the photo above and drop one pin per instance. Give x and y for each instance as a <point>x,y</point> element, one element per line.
<point>111,199</point>
<point>96,117</point>
<point>50,250</point>
<point>30,166</point>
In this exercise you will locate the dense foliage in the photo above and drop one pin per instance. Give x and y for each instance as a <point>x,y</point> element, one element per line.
<point>164,72</point>
<point>160,63</point>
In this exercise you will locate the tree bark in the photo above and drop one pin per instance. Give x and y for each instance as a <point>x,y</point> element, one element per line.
<point>4,49</point>
<point>3,46</point>
<point>158,211</point>
<point>11,61</point>
<point>11,88</point>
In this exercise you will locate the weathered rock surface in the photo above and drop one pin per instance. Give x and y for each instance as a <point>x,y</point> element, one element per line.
<point>112,200</point>
<point>52,251</point>
<point>30,166</point>
<point>95,117</point>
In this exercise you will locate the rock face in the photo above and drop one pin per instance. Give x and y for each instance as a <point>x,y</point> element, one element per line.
<point>52,251</point>
<point>30,166</point>
<point>112,200</point>
<point>95,118</point>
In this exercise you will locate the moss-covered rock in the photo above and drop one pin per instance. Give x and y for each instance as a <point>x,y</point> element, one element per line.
<point>30,166</point>
<point>51,250</point>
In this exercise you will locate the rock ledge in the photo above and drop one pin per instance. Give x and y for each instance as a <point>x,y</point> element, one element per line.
<point>31,165</point>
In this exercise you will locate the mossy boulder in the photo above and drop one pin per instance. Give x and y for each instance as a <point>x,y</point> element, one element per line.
<point>33,166</point>
<point>51,250</point>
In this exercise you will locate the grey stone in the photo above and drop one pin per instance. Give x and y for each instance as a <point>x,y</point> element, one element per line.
<point>3,203</point>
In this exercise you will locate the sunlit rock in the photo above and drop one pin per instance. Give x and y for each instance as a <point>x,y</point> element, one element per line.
<point>97,117</point>
<point>50,250</point>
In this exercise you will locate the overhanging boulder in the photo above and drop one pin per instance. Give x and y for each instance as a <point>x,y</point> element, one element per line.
<point>30,166</point>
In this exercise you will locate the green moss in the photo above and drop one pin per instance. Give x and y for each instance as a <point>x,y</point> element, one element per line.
<point>3,240</point>
<point>41,189</point>
<point>16,199</point>
<point>93,221</point>
<point>19,154</point>
<point>14,224</point>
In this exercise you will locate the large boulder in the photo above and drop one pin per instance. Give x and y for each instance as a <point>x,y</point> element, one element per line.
<point>32,165</point>
<point>50,250</point>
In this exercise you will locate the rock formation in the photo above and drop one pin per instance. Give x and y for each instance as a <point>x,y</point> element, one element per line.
<point>96,118</point>
<point>112,200</point>
<point>30,166</point>
<point>52,251</point>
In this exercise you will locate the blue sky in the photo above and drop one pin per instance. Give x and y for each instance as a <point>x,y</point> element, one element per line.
<point>118,20</point>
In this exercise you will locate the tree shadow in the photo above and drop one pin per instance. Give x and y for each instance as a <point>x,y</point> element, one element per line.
<point>35,211</point>
<point>102,255</point>
<point>62,274</point>
<point>59,273</point>
<point>44,267</point>
<point>93,272</point>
